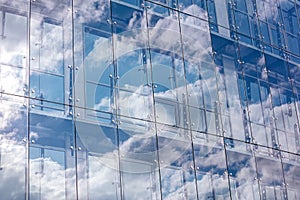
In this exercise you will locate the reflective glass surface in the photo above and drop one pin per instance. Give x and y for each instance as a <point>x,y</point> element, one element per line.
<point>149,99</point>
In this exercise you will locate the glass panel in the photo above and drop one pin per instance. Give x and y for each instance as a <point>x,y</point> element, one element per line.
<point>208,78</point>
<point>167,69</point>
<point>132,58</point>
<point>196,50</point>
<point>282,138</point>
<point>212,178</point>
<point>47,45</point>
<point>266,102</point>
<point>130,46</point>
<point>13,117</point>
<point>254,103</point>
<point>226,124</point>
<point>141,105</point>
<point>288,110</point>
<point>211,122</point>
<point>234,105</point>
<point>158,33</point>
<point>94,68</point>
<point>132,67</point>
<point>50,57</point>
<point>97,69</point>
<point>194,84</point>
<point>13,51</point>
<point>277,107</point>
<point>193,7</point>
<point>265,32</point>
<point>289,15</point>
<point>51,157</point>
<point>274,36</point>
<point>97,168</point>
<point>13,80</point>
<point>293,44</point>
<point>242,23</point>
<point>138,157</point>
<point>260,136</point>
<point>267,166</point>
<point>222,17</point>
<point>168,77</point>
<point>268,11</point>
<point>242,171</point>
<point>47,89</point>
<point>13,134</point>
<point>98,186</point>
<point>291,171</point>
<point>292,140</point>
<point>198,119</point>
<point>163,72</point>
<point>99,97</point>
<point>177,168</point>
<point>14,36</point>
<point>223,102</point>
<point>212,18</point>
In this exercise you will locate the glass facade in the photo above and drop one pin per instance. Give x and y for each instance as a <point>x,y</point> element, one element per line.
<point>149,99</point>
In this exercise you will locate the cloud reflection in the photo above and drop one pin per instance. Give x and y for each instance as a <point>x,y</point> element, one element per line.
<point>49,176</point>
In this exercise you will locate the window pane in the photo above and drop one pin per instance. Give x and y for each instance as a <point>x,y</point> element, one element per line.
<point>138,151</point>
<point>50,156</point>
<point>211,172</point>
<point>242,171</point>
<point>14,38</point>
<point>13,130</point>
